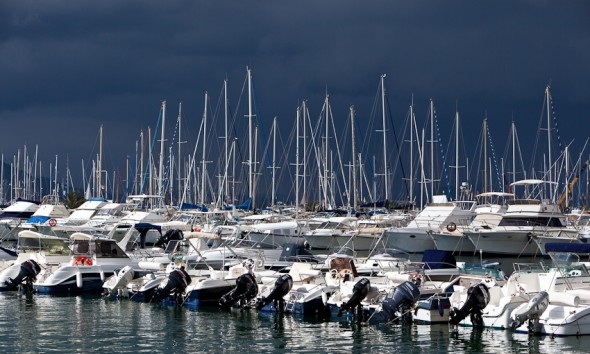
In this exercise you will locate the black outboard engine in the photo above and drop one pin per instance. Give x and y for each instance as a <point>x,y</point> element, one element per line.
<point>359,292</point>
<point>404,297</point>
<point>246,289</point>
<point>27,274</point>
<point>175,285</point>
<point>478,297</point>
<point>282,286</point>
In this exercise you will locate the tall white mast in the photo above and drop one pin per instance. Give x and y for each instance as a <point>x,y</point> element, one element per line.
<point>386,175</point>
<point>161,168</point>
<point>204,166</point>
<point>551,177</point>
<point>297,162</point>
<point>305,117</point>
<point>513,152</point>
<point>250,179</point>
<point>99,175</point>
<point>35,173</point>
<point>457,155</point>
<point>326,166</point>
<point>431,148</point>
<point>412,127</point>
<point>179,162</point>
<point>226,137</point>
<point>354,167</point>
<point>274,152</point>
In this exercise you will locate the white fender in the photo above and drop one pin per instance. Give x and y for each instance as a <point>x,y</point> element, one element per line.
<point>79,281</point>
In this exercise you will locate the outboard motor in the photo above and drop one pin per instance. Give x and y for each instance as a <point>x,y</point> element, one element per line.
<point>282,286</point>
<point>404,297</point>
<point>246,289</point>
<point>27,274</point>
<point>359,292</point>
<point>176,284</point>
<point>530,311</point>
<point>478,297</point>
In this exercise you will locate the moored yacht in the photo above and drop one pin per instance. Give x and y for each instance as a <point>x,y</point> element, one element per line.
<point>93,260</point>
<point>487,215</point>
<point>524,227</point>
<point>436,216</point>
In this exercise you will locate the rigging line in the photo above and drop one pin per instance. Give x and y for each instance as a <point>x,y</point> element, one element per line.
<point>171,145</point>
<point>132,173</point>
<point>445,172</point>
<point>489,135</point>
<point>151,151</point>
<point>401,164</point>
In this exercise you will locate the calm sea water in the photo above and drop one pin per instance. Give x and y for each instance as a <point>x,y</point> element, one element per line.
<point>90,324</point>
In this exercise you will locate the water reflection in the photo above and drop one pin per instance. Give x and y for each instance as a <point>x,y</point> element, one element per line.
<point>93,324</point>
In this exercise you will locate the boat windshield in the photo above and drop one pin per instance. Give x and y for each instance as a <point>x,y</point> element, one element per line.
<point>51,246</point>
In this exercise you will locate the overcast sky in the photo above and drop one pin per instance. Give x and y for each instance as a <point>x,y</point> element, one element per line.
<point>68,66</point>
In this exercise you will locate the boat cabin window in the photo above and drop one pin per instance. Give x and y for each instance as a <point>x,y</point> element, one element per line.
<point>51,246</point>
<point>531,221</point>
<point>109,250</point>
<point>81,247</point>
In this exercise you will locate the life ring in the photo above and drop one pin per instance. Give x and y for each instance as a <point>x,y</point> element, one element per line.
<point>52,222</point>
<point>451,227</point>
<point>82,261</point>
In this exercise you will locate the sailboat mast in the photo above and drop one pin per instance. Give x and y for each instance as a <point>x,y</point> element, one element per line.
<point>548,98</point>
<point>250,180</point>
<point>412,151</point>
<point>274,153</point>
<point>161,167</point>
<point>297,161</point>
<point>513,152</point>
<point>431,147</point>
<point>179,162</point>
<point>457,155</point>
<point>354,167</point>
<point>305,117</point>
<point>99,175</point>
<point>485,154</point>
<point>326,166</point>
<point>386,175</point>
<point>203,162</point>
<point>226,137</point>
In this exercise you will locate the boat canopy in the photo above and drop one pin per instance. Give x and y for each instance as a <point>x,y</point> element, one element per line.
<point>554,247</point>
<point>527,182</point>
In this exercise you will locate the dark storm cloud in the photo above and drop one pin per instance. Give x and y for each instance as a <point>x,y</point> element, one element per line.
<point>68,66</point>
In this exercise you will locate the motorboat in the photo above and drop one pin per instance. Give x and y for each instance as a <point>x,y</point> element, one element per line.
<point>486,216</point>
<point>93,260</point>
<point>335,231</point>
<point>435,217</point>
<point>525,226</point>
<point>14,215</point>
<point>37,248</point>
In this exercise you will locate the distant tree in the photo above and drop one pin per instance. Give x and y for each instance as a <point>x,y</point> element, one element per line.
<point>74,200</point>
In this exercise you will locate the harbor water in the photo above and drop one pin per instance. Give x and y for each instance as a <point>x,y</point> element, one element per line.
<point>90,324</point>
